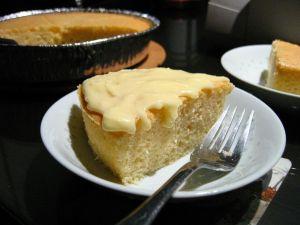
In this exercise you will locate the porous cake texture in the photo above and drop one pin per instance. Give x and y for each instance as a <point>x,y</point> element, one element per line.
<point>139,121</point>
<point>284,67</point>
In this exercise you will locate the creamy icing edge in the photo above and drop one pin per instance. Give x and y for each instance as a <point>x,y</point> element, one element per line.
<point>124,97</point>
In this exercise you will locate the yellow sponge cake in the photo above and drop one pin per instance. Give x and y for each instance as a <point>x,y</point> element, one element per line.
<point>138,121</point>
<point>69,27</point>
<point>284,67</point>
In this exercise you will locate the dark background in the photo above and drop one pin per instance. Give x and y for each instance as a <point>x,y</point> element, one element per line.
<point>60,197</point>
<point>260,22</point>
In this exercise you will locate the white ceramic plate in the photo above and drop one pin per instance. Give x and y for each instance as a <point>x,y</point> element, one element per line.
<point>249,64</point>
<point>63,134</point>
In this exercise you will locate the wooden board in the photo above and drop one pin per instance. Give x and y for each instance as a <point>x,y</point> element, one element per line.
<point>156,57</point>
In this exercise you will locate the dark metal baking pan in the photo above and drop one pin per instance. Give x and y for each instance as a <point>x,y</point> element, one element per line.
<point>48,63</point>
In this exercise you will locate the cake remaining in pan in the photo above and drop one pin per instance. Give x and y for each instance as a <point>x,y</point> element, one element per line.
<point>58,28</point>
<point>69,44</point>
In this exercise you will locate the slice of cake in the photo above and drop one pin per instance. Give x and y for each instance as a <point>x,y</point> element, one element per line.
<point>138,121</point>
<point>284,67</point>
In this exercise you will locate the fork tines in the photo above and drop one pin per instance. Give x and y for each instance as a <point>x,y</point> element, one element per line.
<point>230,133</point>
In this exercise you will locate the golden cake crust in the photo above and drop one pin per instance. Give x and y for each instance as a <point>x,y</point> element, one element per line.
<point>284,67</point>
<point>96,117</point>
<point>75,19</point>
<point>68,27</point>
<point>287,58</point>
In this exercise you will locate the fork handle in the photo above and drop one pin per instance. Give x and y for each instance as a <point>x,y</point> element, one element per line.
<point>148,210</point>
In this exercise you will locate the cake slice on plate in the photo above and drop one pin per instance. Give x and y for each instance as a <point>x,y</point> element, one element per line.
<point>139,121</point>
<point>284,67</point>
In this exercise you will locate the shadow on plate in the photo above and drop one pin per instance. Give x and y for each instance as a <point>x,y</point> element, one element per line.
<point>83,151</point>
<point>263,78</point>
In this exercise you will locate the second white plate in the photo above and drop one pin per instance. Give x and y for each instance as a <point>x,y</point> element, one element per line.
<point>63,134</point>
<point>249,64</point>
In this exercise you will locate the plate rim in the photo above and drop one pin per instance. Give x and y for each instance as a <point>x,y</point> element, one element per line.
<point>289,95</point>
<point>143,192</point>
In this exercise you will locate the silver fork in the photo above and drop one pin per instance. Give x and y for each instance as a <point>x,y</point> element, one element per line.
<point>220,150</point>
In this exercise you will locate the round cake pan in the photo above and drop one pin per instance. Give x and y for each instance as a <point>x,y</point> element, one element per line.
<point>56,63</point>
